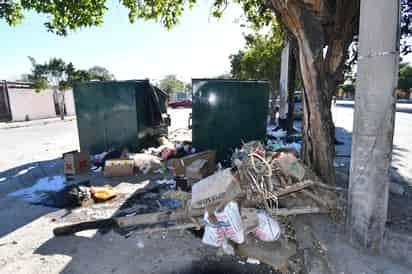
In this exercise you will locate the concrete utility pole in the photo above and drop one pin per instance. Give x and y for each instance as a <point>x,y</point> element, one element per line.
<point>283,88</point>
<point>378,66</point>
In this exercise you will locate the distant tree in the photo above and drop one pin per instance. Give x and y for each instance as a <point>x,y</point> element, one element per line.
<point>101,73</point>
<point>171,84</point>
<point>188,87</point>
<point>405,76</point>
<point>61,76</point>
<point>260,60</point>
<point>53,74</point>
<point>224,76</point>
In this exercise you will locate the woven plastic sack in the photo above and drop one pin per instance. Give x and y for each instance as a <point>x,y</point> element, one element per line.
<point>268,229</point>
<point>213,234</point>
<point>231,222</point>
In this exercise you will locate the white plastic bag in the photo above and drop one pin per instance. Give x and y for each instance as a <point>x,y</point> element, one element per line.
<point>228,248</point>
<point>268,229</point>
<point>213,234</point>
<point>229,219</point>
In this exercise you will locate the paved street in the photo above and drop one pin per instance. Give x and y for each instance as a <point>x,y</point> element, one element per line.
<point>45,142</point>
<point>41,142</point>
<point>402,152</point>
<point>25,145</point>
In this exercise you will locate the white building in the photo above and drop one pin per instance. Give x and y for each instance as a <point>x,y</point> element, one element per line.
<point>20,102</point>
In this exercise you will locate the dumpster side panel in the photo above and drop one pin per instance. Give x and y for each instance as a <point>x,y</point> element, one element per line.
<point>227,113</point>
<point>106,116</point>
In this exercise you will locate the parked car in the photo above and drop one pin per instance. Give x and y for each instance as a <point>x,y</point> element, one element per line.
<point>184,103</point>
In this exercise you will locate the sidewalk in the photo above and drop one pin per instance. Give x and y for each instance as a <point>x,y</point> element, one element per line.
<point>9,125</point>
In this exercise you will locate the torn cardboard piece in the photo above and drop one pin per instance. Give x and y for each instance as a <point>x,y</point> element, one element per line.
<point>180,164</point>
<point>76,162</point>
<point>119,168</point>
<point>197,170</point>
<point>290,165</point>
<point>212,190</point>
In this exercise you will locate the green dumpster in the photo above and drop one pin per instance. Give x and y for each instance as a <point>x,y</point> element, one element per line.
<point>226,113</point>
<point>119,114</point>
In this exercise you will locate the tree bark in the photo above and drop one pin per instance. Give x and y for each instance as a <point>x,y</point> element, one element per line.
<point>318,130</point>
<point>291,93</point>
<point>316,24</point>
<point>61,104</point>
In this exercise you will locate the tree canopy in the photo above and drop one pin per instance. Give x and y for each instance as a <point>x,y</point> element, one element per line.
<point>171,84</point>
<point>59,75</point>
<point>405,77</point>
<point>260,60</point>
<point>101,73</point>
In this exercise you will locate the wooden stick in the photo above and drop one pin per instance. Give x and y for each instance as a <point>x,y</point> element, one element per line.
<point>297,211</point>
<point>315,198</point>
<point>325,186</point>
<point>293,188</point>
<point>169,228</point>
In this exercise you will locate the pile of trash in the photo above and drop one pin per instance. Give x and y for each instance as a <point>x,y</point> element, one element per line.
<point>232,204</point>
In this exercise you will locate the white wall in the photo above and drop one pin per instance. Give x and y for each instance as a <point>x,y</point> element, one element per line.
<point>27,102</point>
<point>69,101</point>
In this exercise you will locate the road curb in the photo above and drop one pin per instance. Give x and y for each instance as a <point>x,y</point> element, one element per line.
<point>36,123</point>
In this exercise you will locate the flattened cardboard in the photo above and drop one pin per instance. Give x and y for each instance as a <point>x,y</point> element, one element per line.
<point>118,168</point>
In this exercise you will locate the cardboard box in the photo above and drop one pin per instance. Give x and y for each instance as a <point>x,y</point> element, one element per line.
<point>76,162</point>
<point>119,168</point>
<point>214,189</point>
<point>180,164</point>
<point>197,170</point>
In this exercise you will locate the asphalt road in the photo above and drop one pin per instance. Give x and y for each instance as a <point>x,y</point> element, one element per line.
<point>40,142</point>
<point>45,142</point>
<point>402,145</point>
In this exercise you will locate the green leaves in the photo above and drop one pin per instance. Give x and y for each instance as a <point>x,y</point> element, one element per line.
<point>171,84</point>
<point>57,74</point>
<point>261,58</point>
<point>69,15</point>
<point>405,77</point>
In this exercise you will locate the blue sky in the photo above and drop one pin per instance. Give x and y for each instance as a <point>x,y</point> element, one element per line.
<point>198,47</point>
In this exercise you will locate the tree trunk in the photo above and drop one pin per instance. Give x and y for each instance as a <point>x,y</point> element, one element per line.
<point>319,26</point>
<point>61,104</point>
<point>318,130</point>
<point>291,93</point>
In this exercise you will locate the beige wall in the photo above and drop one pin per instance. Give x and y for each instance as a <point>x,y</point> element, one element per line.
<point>27,102</point>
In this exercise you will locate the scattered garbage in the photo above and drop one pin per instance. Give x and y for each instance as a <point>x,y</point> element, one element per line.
<point>233,205</point>
<point>104,193</point>
<point>214,233</point>
<point>231,223</point>
<point>140,244</point>
<point>119,168</point>
<point>38,191</point>
<point>76,162</point>
<point>268,229</point>
<point>145,162</point>
<point>252,261</point>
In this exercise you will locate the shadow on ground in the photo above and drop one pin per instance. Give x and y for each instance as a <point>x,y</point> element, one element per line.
<point>14,212</point>
<point>127,251</point>
<point>400,205</point>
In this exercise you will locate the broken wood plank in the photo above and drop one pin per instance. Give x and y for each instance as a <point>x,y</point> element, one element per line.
<point>297,211</point>
<point>162,229</point>
<point>293,188</point>
<point>152,218</point>
<point>317,199</point>
<point>141,219</point>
